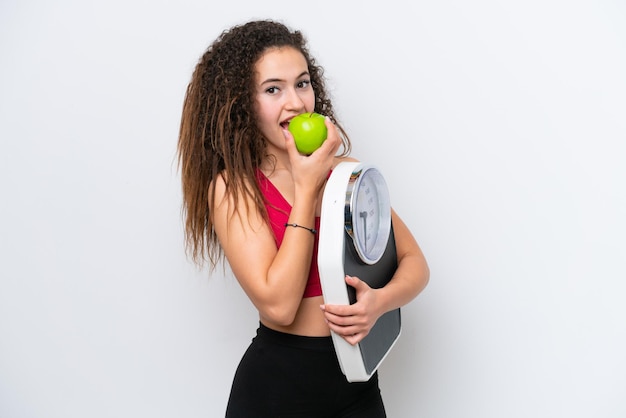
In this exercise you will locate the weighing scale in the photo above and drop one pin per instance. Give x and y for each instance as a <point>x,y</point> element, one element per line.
<point>356,239</point>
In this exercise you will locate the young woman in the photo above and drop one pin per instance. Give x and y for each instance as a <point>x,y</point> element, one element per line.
<point>251,197</point>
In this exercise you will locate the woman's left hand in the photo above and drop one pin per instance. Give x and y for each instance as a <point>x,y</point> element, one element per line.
<point>354,322</point>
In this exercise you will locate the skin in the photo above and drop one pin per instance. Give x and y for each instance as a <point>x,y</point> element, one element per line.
<point>274,278</point>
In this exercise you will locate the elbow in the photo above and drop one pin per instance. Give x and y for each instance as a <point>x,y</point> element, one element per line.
<point>423,276</point>
<point>280,315</point>
<point>426,275</point>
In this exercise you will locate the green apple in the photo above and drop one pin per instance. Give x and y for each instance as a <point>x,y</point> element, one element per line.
<point>309,131</point>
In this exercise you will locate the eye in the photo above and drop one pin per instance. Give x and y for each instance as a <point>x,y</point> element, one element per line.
<point>272,90</point>
<point>303,84</point>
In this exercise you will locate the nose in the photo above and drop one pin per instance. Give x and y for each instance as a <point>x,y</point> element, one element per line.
<point>293,101</point>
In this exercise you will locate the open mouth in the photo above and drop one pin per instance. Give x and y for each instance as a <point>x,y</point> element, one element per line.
<point>284,124</point>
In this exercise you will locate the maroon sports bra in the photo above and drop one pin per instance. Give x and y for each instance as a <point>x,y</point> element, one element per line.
<point>278,210</point>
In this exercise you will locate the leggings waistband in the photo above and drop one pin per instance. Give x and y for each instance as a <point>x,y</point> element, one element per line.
<point>269,335</point>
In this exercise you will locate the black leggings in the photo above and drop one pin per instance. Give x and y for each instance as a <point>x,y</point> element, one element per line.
<point>285,375</point>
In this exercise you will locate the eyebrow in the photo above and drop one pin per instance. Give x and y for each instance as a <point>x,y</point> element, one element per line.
<point>278,80</point>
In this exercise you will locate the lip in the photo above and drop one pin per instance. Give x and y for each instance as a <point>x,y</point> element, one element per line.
<point>285,124</point>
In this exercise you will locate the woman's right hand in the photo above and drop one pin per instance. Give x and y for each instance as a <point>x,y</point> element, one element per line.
<point>312,170</point>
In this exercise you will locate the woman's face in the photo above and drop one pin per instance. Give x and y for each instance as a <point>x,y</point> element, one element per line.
<point>283,90</point>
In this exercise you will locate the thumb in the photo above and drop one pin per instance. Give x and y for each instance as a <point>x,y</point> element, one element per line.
<point>290,146</point>
<point>290,142</point>
<point>357,283</point>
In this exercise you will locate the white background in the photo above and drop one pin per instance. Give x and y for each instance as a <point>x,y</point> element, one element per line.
<point>500,126</point>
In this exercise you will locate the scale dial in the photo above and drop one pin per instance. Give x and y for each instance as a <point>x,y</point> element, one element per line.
<point>368,213</point>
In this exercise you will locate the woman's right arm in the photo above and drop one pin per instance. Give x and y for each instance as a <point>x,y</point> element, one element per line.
<point>274,278</point>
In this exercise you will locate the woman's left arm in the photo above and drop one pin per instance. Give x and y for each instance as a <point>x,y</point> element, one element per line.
<point>354,322</point>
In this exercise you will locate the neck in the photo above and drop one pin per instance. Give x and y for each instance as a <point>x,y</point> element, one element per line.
<point>276,160</point>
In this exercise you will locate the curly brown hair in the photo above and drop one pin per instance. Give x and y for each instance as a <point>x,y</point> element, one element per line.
<point>218,131</point>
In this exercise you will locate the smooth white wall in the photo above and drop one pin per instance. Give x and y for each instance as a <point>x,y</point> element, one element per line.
<point>500,127</point>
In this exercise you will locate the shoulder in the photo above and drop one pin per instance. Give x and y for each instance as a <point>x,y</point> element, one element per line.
<point>236,212</point>
<point>224,184</point>
<point>231,192</point>
<point>218,191</point>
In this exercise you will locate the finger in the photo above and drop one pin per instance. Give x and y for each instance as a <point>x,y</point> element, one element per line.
<point>341,321</point>
<point>354,339</point>
<point>345,331</point>
<point>332,142</point>
<point>333,134</point>
<point>358,284</point>
<point>338,311</point>
<point>360,321</point>
<point>351,335</point>
<point>290,143</point>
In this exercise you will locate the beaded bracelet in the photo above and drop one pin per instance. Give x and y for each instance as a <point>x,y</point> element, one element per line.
<point>312,230</point>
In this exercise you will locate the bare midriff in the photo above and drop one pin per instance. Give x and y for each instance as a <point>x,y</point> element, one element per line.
<point>309,320</point>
